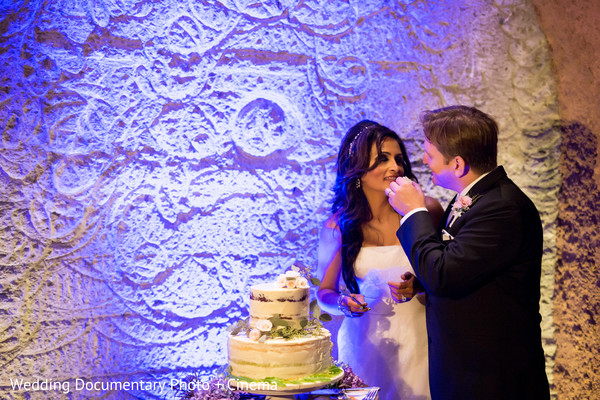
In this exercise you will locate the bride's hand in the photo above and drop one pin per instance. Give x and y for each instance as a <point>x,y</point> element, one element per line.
<point>354,305</point>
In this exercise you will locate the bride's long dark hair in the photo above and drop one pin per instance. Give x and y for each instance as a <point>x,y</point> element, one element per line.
<point>350,205</point>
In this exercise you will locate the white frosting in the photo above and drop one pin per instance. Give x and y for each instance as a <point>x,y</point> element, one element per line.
<point>278,357</point>
<point>268,300</point>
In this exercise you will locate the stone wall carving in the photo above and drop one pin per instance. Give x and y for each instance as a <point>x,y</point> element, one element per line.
<point>158,157</point>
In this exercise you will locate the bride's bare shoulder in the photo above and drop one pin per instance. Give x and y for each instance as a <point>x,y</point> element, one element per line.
<point>332,222</point>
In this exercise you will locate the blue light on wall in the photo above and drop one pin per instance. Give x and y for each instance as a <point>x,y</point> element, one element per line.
<point>158,158</point>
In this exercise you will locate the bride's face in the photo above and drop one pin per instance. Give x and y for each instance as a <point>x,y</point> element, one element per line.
<point>388,169</point>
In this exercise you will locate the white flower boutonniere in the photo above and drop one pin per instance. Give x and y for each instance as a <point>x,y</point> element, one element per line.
<point>461,206</point>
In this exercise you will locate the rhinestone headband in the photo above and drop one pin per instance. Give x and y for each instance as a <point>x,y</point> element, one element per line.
<point>353,141</point>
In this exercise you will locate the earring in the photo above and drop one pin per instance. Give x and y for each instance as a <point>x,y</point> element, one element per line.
<point>358,183</point>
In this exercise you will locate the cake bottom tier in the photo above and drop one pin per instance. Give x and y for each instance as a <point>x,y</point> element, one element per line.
<point>278,357</point>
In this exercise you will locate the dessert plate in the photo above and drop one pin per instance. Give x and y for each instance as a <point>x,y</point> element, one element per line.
<point>282,392</point>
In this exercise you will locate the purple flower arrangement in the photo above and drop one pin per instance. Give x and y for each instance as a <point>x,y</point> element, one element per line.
<point>350,379</point>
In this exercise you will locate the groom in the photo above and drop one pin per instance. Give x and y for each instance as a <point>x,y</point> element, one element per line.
<point>481,268</point>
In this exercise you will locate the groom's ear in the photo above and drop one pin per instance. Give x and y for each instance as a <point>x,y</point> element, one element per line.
<point>460,167</point>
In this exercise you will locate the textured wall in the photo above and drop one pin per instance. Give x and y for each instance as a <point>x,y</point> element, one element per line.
<point>157,158</point>
<point>577,301</point>
<point>571,29</point>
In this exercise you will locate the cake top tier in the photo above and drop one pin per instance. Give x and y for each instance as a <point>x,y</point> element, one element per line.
<point>277,300</point>
<point>272,287</point>
<point>284,282</point>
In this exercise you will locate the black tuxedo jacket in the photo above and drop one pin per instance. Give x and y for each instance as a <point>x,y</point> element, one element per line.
<point>483,289</point>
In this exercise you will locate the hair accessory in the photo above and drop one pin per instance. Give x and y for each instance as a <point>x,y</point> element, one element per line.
<point>358,183</point>
<point>353,141</point>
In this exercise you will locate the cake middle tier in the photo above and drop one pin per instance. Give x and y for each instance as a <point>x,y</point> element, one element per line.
<point>267,300</point>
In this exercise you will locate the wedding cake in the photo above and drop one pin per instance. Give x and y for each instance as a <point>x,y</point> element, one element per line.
<point>279,341</point>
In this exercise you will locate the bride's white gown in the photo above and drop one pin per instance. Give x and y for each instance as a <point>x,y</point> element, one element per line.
<point>387,347</point>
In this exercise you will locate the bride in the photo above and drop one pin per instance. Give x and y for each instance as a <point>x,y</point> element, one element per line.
<point>383,336</point>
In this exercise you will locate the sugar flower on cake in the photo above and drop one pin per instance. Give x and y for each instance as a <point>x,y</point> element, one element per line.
<point>264,325</point>
<point>291,280</point>
<point>254,334</point>
<point>291,275</point>
<point>301,282</point>
<point>291,284</point>
<point>281,281</point>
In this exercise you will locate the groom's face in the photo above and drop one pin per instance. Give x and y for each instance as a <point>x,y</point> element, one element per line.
<point>441,171</point>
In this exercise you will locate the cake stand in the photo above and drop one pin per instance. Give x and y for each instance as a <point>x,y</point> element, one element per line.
<point>289,391</point>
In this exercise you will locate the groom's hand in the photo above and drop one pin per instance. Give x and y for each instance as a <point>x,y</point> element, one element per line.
<point>405,195</point>
<point>416,284</point>
<point>407,289</point>
<point>403,291</point>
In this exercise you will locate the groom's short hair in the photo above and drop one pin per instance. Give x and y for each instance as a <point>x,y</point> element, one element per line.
<point>463,131</point>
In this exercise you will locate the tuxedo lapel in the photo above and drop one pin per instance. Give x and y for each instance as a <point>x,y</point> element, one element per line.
<point>477,190</point>
<point>446,217</point>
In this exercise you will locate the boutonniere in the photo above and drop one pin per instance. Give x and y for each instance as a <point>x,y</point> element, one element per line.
<point>461,206</point>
